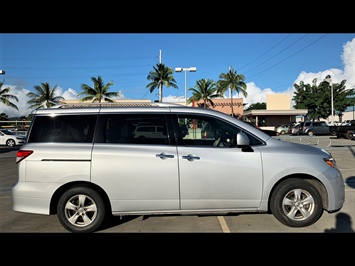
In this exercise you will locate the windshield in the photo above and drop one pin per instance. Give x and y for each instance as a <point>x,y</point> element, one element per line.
<point>7,132</point>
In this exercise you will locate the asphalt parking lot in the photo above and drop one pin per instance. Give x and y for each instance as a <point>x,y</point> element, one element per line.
<point>343,151</point>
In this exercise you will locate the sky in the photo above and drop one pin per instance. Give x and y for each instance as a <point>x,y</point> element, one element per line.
<point>270,62</point>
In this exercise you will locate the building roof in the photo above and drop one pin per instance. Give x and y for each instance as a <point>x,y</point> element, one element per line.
<point>276,112</point>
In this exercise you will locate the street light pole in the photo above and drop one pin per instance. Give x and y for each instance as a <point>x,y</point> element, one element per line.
<point>190,69</point>
<point>329,80</point>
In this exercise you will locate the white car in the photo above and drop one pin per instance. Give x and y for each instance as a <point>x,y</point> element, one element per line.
<point>347,122</point>
<point>10,139</point>
<point>150,131</point>
<point>334,123</point>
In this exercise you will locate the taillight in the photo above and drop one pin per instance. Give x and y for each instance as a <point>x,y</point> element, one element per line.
<point>22,154</point>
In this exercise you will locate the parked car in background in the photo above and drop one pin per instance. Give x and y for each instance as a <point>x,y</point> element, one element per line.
<point>11,139</point>
<point>270,132</point>
<point>295,129</point>
<point>345,131</point>
<point>149,131</point>
<point>19,131</point>
<point>334,123</point>
<point>311,128</point>
<point>347,122</point>
<point>283,129</point>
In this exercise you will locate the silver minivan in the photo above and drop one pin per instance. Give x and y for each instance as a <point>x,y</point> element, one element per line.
<point>83,164</point>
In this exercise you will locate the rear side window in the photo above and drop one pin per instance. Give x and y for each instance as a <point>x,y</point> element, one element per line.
<point>132,129</point>
<point>63,128</point>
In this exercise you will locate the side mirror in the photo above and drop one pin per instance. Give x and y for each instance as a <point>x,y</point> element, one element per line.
<point>242,140</point>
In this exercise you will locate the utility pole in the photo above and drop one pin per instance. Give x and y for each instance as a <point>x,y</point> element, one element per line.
<point>160,85</point>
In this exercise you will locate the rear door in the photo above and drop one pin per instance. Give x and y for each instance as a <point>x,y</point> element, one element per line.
<point>138,174</point>
<point>321,128</point>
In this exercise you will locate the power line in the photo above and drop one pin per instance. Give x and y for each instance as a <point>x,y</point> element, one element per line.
<point>289,56</point>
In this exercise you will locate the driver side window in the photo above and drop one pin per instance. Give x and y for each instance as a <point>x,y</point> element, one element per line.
<point>199,130</point>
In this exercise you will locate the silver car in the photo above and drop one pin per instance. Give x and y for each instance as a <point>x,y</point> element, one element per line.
<point>84,165</point>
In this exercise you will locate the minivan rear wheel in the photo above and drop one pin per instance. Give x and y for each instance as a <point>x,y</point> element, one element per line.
<point>296,203</point>
<point>81,210</point>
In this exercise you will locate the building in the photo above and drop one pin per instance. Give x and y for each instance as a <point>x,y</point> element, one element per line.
<point>278,111</point>
<point>224,105</point>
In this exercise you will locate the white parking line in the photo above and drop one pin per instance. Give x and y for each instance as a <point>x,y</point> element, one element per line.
<point>223,224</point>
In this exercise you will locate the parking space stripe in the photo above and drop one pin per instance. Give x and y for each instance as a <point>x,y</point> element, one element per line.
<point>223,224</point>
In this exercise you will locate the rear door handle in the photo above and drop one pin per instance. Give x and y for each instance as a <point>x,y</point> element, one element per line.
<point>164,155</point>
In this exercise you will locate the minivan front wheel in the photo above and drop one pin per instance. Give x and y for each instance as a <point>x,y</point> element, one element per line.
<point>81,210</point>
<point>296,203</point>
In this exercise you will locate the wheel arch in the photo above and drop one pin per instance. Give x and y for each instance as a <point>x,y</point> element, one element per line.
<point>61,190</point>
<point>314,181</point>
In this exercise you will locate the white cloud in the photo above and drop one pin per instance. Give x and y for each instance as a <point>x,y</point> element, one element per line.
<point>174,99</point>
<point>348,58</point>
<point>22,105</point>
<point>70,94</point>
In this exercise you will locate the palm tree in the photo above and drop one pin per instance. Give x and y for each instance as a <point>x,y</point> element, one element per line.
<point>45,96</point>
<point>5,97</point>
<point>4,117</point>
<point>206,90</point>
<point>234,82</point>
<point>99,92</point>
<point>161,76</point>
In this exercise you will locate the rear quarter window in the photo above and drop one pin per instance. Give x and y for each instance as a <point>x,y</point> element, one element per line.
<point>63,128</point>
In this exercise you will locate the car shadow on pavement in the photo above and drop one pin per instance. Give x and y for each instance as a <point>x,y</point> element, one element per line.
<point>8,149</point>
<point>350,181</point>
<point>117,220</point>
<point>351,149</point>
<point>343,224</point>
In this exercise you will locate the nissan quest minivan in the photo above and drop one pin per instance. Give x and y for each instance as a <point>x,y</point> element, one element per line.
<point>85,164</point>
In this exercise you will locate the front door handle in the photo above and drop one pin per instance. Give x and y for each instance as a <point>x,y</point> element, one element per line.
<point>191,157</point>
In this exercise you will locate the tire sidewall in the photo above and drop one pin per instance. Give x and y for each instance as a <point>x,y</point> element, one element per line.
<point>101,210</point>
<point>10,143</point>
<point>278,195</point>
<point>349,135</point>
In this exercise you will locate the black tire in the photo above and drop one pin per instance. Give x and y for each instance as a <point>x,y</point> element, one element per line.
<point>296,203</point>
<point>81,210</point>
<point>349,135</point>
<point>310,133</point>
<point>10,143</point>
<point>333,132</point>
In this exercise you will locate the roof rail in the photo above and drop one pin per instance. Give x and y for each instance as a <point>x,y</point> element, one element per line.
<point>116,104</point>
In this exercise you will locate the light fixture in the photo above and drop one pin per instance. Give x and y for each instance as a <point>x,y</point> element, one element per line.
<point>329,80</point>
<point>190,69</point>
